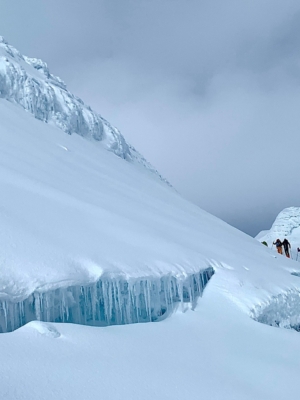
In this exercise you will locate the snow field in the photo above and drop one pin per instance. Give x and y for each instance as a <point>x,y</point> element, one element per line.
<point>28,82</point>
<point>89,238</point>
<point>69,218</point>
<point>215,352</point>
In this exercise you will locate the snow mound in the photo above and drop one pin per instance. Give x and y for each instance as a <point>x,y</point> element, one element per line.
<point>29,83</point>
<point>44,329</point>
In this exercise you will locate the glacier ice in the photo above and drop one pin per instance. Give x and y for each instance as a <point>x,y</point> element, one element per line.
<point>280,311</point>
<point>29,83</point>
<point>106,302</point>
<point>286,224</point>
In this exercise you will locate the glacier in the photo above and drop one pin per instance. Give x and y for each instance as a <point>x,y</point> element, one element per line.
<point>106,302</point>
<point>281,311</point>
<point>87,238</point>
<point>286,224</point>
<point>73,214</point>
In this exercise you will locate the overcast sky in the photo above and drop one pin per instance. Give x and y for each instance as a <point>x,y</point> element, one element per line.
<point>207,90</point>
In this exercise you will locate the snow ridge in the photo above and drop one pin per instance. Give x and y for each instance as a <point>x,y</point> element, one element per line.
<point>29,83</point>
<point>286,224</point>
<point>286,221</point>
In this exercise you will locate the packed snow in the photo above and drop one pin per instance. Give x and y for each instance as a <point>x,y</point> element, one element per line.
<point>89,238</point>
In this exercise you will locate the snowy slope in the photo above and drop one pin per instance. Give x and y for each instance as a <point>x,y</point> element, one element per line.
<point>73,214</point>
<point>83,233</point>
<point>214,353</point>
<point>29,83</point>
<point>286,224</point>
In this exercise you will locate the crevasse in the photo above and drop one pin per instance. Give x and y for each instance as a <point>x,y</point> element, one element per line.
<point>106,302</point>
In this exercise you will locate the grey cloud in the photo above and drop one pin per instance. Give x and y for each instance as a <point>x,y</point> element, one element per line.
<point>207,90</point>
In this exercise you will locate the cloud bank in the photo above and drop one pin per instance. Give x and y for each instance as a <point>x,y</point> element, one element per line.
<point>207,90</point>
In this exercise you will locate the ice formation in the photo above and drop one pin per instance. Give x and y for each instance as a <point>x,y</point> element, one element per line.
<point>29,83</point>
<point>286,224</point>
<point>281,311</point>
<point>106,302</point>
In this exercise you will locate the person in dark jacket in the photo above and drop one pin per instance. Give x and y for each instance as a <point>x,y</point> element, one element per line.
<point>286,245</point>
<point>278,245</point>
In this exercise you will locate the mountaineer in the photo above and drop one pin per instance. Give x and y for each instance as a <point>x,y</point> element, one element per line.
<point>278,245</point>
<point>286,245</point>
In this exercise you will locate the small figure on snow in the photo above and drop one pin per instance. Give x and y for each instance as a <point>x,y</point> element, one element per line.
<point>278,245</point>
<point>286,245</point>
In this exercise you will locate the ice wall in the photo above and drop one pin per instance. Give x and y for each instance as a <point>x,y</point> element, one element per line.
<point>106,302</point>
<point>281,311</point>
<point>286,224</point>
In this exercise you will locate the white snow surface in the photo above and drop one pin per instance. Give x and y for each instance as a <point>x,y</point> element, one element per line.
<point>29,83</point>
<point>72,213</point>
<point>214,353</point>
<point>286,225</point>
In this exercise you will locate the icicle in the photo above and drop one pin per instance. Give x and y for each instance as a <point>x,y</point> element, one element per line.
<point>37,306</point>
<point>108,302</point>
<point>5,314</point>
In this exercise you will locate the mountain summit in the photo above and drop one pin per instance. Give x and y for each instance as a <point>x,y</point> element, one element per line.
<point>29,83</point>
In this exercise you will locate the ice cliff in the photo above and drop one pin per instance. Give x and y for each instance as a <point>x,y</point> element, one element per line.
<point>29,83</point>
<point>106,302</point>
